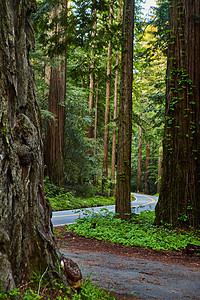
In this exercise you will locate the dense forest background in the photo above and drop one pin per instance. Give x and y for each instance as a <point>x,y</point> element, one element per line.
<point>76,63</point>
<point>96,140</point>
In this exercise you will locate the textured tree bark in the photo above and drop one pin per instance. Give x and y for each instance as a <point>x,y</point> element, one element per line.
<point>139,169</point>
<point>107,110</point>
<point>54,152</point>
<point>179,201</point>
<point>123,191</point>
<point>26,238</point>
<point>113,161</point>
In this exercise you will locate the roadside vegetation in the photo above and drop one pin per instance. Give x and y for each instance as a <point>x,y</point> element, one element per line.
<point>40,288</point>
<point>63,200</point>
<point>139,231</point>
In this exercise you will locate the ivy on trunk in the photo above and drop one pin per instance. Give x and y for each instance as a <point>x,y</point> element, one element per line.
<point>179,201</point>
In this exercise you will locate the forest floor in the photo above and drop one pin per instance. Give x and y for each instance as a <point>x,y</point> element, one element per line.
<point>133,272</point>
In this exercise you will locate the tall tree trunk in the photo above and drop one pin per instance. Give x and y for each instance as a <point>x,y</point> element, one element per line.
<point>160,157</point>
<point>26,238</point>
<point>107,109</point>
<point>95,181</point>
<point>90,134</point>
<point>123,192</point>
<point>139,168</point>
<point>147,191</point>
<point>96,118</point>
<point>54,154</point>
<point>56,126</point>
<point>179,200</point>
<point>112,190</point>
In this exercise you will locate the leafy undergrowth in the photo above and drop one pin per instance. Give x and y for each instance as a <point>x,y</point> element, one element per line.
<point>68,201</point>
<point>140,231</point>
<point>62,200</point>
<point>35,290</point>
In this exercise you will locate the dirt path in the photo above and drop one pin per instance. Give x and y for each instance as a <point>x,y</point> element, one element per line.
<point>140,272</point>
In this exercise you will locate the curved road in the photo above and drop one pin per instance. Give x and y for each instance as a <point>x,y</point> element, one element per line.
<point>142,202</point>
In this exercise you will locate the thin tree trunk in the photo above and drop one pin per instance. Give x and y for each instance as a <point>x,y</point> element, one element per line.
<point>92,74</point>
<point>107,109</point>
<point>26,237</point>
<point>96,118</point>
<point>95,181</point>
<point>123,191</point>
<point>139,168</point>
<point>179,200</point>
<point>112,190</point>
<point>160,157</point>
<point>147,191</point>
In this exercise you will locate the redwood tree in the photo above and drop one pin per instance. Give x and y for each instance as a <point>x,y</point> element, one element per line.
<point>146,184</point>
<point>90,133</point>
<point>26,238</point>
<point>160,157</point>
<point>123,191</point>
<point>107,107</point>
<point>179,200</point>
<point>139,168</point>
<point>54,154</point>
<point>113,161</point>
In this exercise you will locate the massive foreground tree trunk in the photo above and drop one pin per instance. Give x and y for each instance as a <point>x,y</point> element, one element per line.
<point>26,239</point>
<point>123,191</point>
<point>179,200</point>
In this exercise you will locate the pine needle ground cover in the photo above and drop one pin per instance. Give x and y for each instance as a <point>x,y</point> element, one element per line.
<point>140,231</point>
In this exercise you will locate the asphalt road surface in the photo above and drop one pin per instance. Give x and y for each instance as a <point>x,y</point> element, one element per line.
<point>142,202</point>
<point>142,278</point>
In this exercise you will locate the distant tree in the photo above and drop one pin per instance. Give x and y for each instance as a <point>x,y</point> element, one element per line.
<point>146,188</point>
<point>179,201</point>
<point>54,154</point>
<point>90,133</point>
<point>113,161</point>
<point>123,190</point>
<point>139,167</point>
<point>26,237</point>
<point>160,157</point>
<point>107,107</point>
